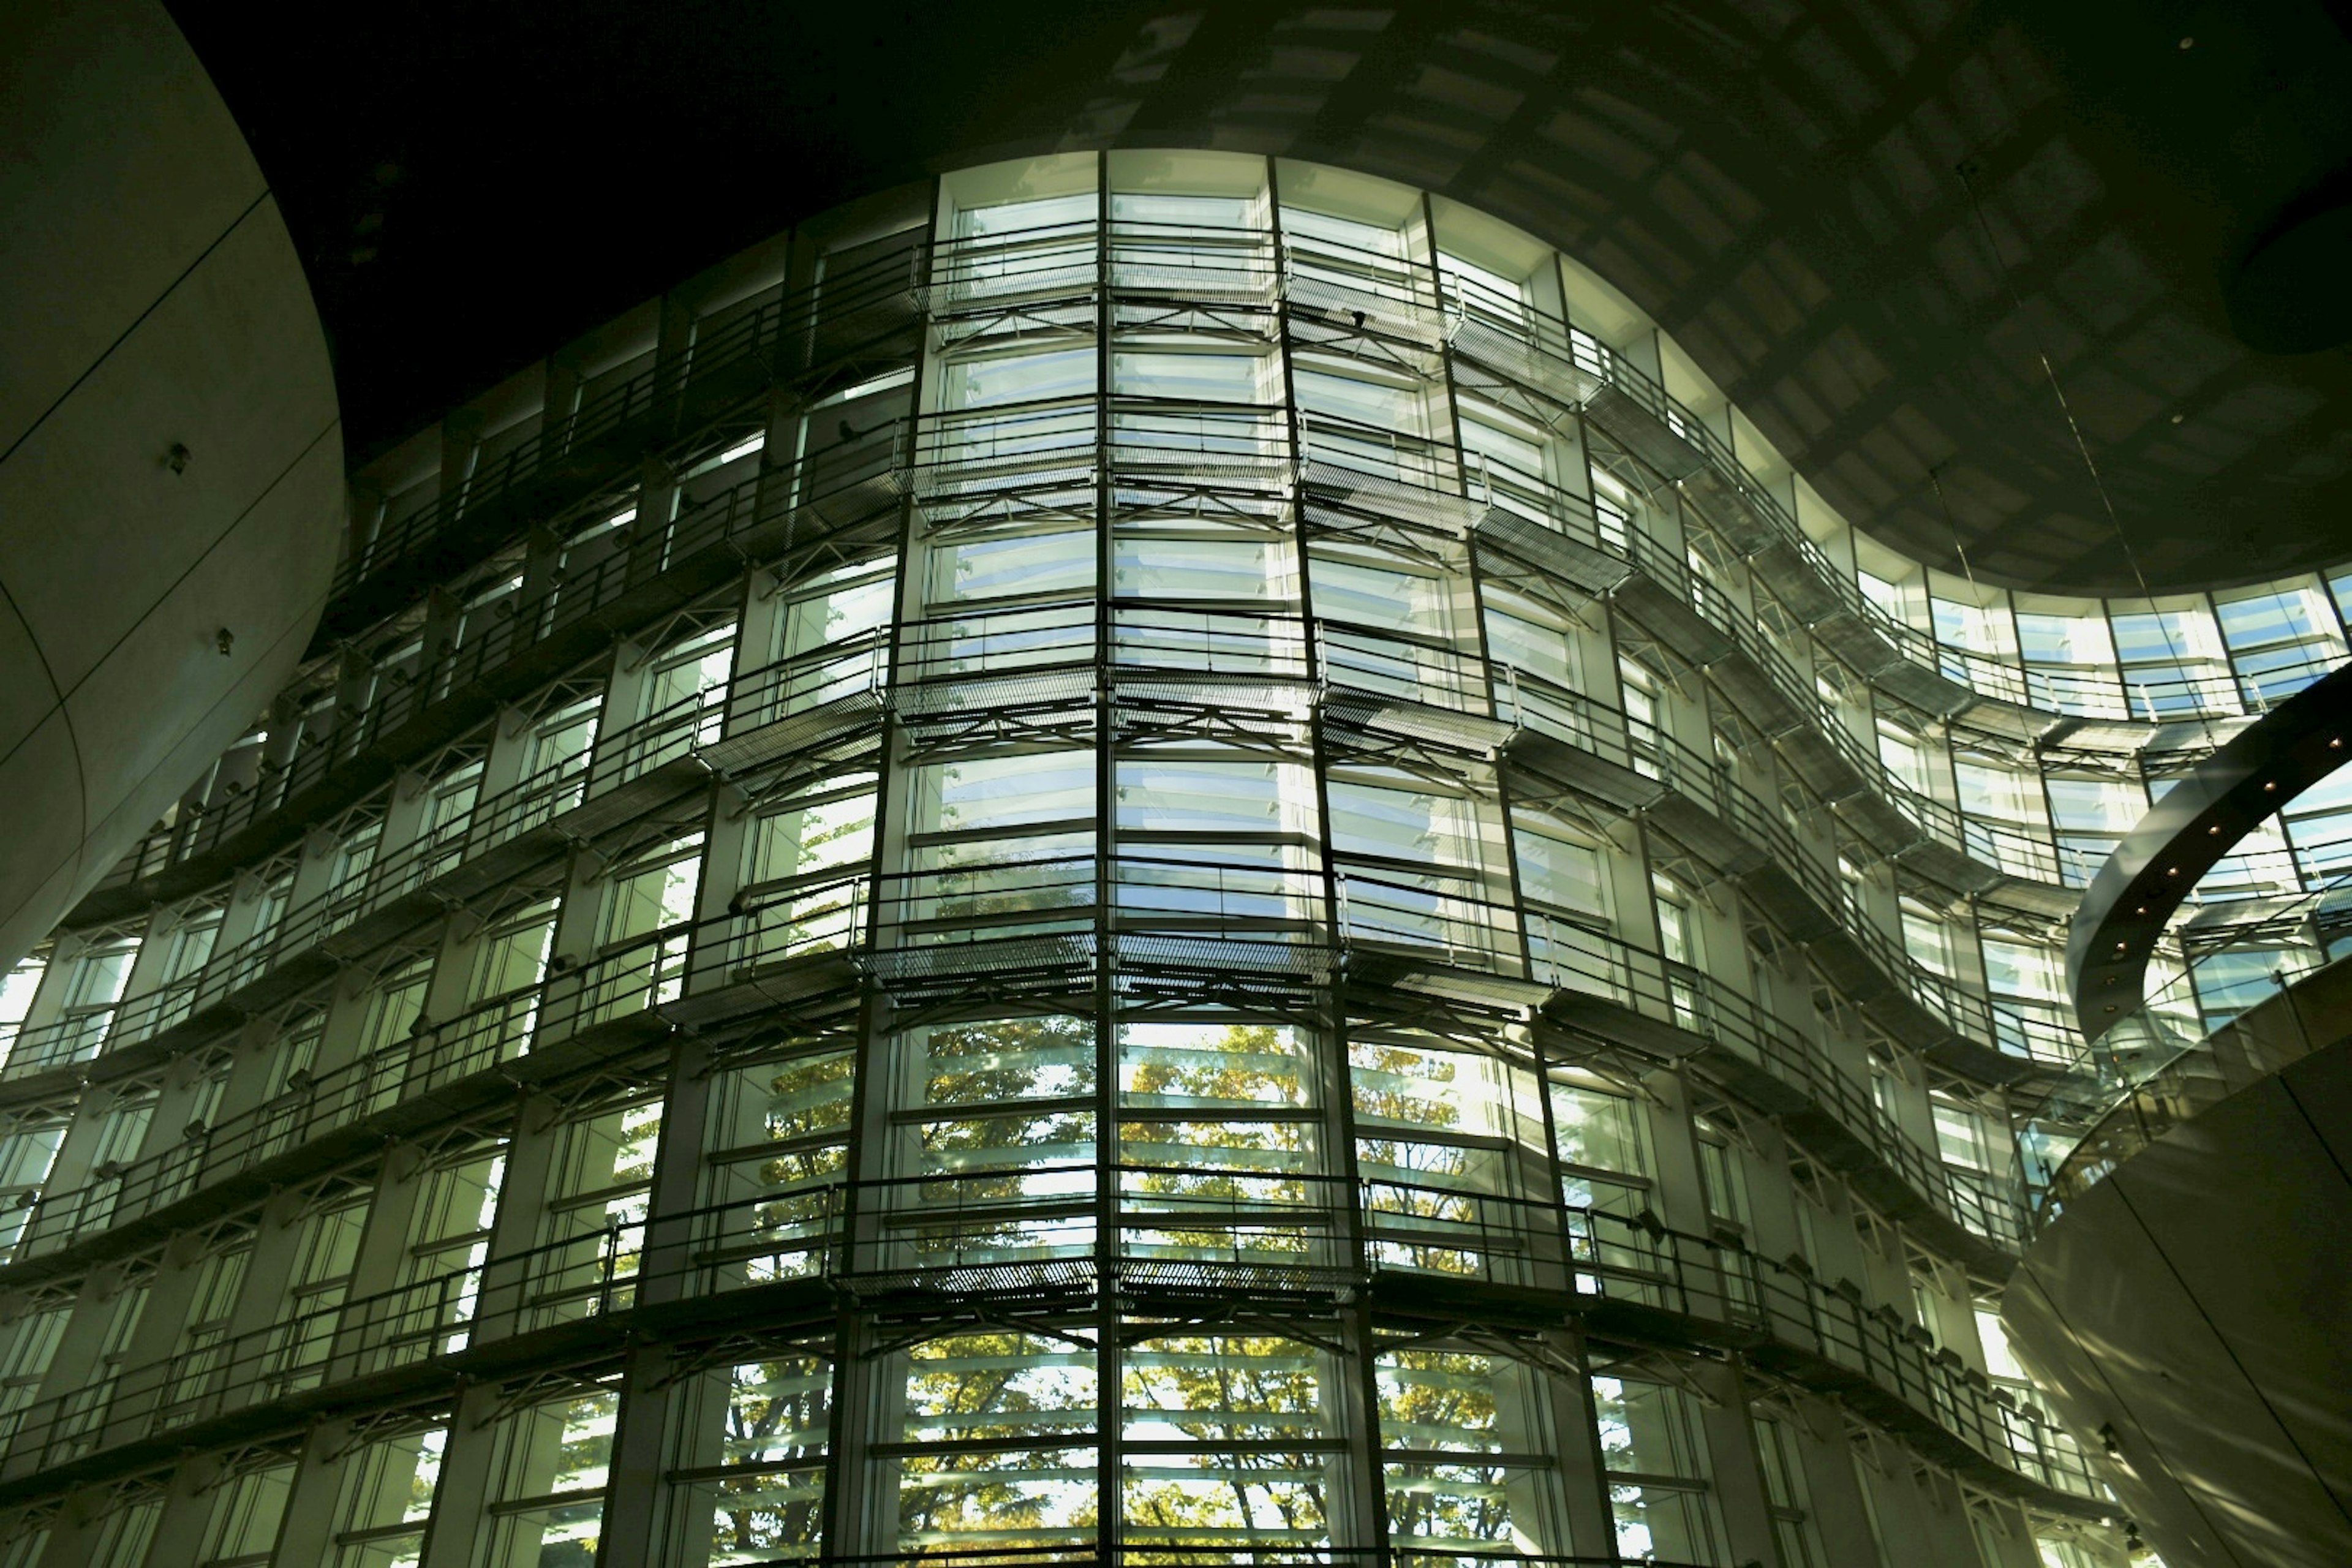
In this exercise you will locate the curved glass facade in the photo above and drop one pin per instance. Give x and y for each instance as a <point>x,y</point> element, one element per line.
<point>1151,855</point>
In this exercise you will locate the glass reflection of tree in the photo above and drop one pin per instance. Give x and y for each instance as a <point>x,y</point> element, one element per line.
<point>992,1155</point>
<point>989,1419</point>
<point>1398,1089</point>
<point>776,1413</point>
<point>808,1113</point>
<point>829,835</point>
<point>1243,1401</point>
<point>1223,1160</point>
<point>1443,1400</point>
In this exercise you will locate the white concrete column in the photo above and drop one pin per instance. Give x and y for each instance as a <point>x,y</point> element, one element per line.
<point>307,1533</point>
<point>467,1480</point>
<point>383,1255</point>
<point>1738,1475</point>
<point>185,1514</point>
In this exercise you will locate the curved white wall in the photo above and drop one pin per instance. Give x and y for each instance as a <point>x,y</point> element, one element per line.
<point>2197,1304</point>
<point>150,299</point>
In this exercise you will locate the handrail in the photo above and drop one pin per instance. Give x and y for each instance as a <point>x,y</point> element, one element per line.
<point>2160,699</point>
<point>1936,818</point>
<point>797,683</point>
<point>1540,333</point>
<point>763,330</point>
<point>1452,925</point>
<point>1969,837</point>
<point>2176,1055</point>
<point>1575,518</point>
<point>1257,642</point>
<point>1021,898</point>
<point>1303,1228</point>
<point>1588,725</point>
<point>639,975</point>
<point>1528,326</point>
<point>788,498</point>
<point>2199,820</point>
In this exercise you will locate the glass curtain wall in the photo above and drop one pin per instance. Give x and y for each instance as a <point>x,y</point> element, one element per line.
<point>1138,924</point>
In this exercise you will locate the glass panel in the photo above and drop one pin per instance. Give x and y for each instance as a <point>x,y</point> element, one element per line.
<point>1601,1132</point>
<point>683,675</point>
<point>1004,565</point>
<point>1017,1394</point>
<point>1459,1414</point>
<point>990,793</point>
<point>995,380</point>
<point>987,1064</point>
<point>1014,217</point>
<point>1214,1423</point>
<point>2077,639</point>
<point>821,834</point>
<point>1198,376</point>
<point>835,613</point>
<point>1534,646</point>
<point>1342,234</point>
<point>2283,616</point>
<point>1189,794</point>
<point>1400,823</point>
<point>1650,1439</point>
<point>1227,567</point>
<point>654,898</point>
<point>1383,405</point>
<point>769,1504</point>
<point>1185,212</point>
<point>1198,1065</point>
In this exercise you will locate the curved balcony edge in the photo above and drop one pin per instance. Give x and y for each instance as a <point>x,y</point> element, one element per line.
<point>1495,1261</point>
<point>2199,820</point>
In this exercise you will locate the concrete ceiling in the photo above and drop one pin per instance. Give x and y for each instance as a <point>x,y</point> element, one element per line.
<point>1871,221</point>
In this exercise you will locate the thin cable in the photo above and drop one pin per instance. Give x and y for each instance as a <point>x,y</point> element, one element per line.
<point>1959,546</point>
<point>2066,412</point>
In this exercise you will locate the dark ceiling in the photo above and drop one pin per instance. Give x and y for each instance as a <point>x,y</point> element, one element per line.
<point>1871,221</point>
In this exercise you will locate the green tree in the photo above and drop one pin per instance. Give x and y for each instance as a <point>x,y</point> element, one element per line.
<point>1439,1400</point>
<point>1240,1398</point>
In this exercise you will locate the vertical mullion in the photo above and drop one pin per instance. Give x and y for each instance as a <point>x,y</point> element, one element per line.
<point>856,1398</point>
<point>1110,1492</point>
<point>1355,1401</point>
<point>1477,602</point>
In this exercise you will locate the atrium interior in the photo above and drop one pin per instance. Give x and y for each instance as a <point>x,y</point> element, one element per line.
<point>1159,853</point>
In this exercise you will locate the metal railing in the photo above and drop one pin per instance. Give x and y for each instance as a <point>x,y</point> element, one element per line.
<point>1551,710</point>
<point>2009,848</point>
<point>639,976</point>
<point>966,1235</point>
<point>995,641</point>
<point>789,503</point>
<point>990,917</point>
<point>795,685</point>
<point>1450,924</point>
<point>979,450</point>
<point>760,335</point>
<point>1402,283</point>
<point>1532,338</point>
<point>2197,1038</point>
